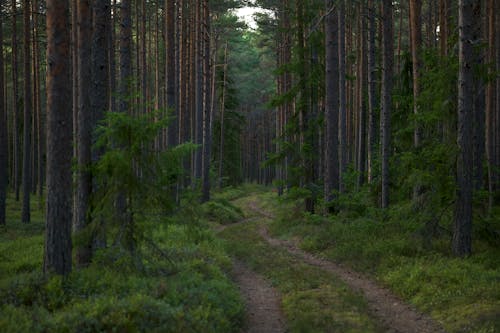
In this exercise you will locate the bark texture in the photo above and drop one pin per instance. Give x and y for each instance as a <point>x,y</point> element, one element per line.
<point>462,244</point>
<point>57,257</point>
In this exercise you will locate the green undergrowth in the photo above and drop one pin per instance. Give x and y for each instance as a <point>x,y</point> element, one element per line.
<point>176,282</point>
<point>394,247</point>
<point>312,300</point>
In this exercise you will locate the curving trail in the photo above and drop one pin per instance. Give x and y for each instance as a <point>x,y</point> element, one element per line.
<point>262,301</point>
<point>394,314</point>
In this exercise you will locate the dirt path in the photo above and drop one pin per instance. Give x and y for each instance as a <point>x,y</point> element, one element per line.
<point>263,313</point>
<point>393,313</point>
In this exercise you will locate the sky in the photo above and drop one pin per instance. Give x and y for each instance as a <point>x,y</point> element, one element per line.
<point>246,14</point>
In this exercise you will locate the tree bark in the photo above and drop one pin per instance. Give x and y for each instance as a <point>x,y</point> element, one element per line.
<point>26,213</point>
<point>170,72</point>
<point>479,99</point>
<point>372,90</point>
<point>15,105</point>
<point>84,179</point>
<point>416,42</point>
<point>57,256</point>
<point>331,103</point>
<point>125,55</point>
<point>342,126</point>
<point>4,154</point>
<point>207,123</point>
<point>386,100</point>
<point>362,104</point>
<point>462,238</point>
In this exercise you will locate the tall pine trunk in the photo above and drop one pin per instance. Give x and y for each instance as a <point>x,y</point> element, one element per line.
<point>4,154</point>
<point>386,100</point>
<point>84,180</point>
<point>26,213</point>
<point>462,243</point>
<point>57,256</point>
<point>331,103</point>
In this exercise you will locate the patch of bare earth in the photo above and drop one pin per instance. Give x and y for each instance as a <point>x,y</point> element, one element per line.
<point>394,314</point>
<point>263,312</point>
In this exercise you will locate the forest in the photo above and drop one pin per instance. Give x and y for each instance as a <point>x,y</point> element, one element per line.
<point>250,166</point>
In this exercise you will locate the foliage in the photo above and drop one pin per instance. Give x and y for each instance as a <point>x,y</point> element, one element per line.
<point>131,178</point>
<point>222,211</point>
<point>393,246</point>
<point>181,287</point>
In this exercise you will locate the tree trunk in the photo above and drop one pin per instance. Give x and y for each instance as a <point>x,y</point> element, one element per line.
<point>125,55</point>
<point>479,100</point>
<point>491,103</point>
<point>84,180</point>
<point>57,257</point>
<point>26,214</point>
<point>462,242</point>
<point>170,72</point>
<point>342,126</point>
<point>4,154</point>
<point>207,124</point>
<point>362,104</point>
<point>372,90</point>
<point>331,103</point>
<point>99,93</point>
<point>416,42</point>
<point>386,100</point>
<point>222,115</point>
<point>198,40</point>
<point>15,105</point>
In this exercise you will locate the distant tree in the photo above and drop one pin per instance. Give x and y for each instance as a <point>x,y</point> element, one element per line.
<point>462,232</point>
<point>4,155</point>
<point>170,71</point>
<point>125,55</point>
<point>386,100</point>
<point>416,41</point>
<point>26,213</point>
<point>332,102</point>
<point>57,255</point>
<point>15,102</point>
<point>207,105</point>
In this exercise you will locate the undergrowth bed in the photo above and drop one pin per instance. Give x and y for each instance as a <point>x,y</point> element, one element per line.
<point>176,283</point>
<point>393,247</point>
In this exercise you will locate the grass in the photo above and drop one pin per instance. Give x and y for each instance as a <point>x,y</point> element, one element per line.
<point>181,283</point>
<point>462,294</point>
<point>312,300</point>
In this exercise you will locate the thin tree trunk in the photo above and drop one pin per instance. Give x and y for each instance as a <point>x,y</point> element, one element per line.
<point>372,90</point>
<point>491,103</point>
<point>15,104</point>
<point>207,129</point>
<point>343,153</point>
<point>57,257</point>
<point>331,103</point>
<point>479,100</point>
<point>462,232</point>
<point>26,213</point>
<point>386,100</point>
<point>362,103</point>
<point>4,154</point>
<point>198,39</point>
<point>222,116</point>
<point>416,42</point>
<point>170,72</point>
<point>125,55</point>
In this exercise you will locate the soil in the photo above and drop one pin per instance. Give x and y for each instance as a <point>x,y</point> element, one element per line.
<point>394,314</point>
<point>263,312</point>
